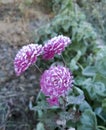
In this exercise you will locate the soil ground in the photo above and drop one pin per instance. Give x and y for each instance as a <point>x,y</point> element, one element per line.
<point>17,24</point>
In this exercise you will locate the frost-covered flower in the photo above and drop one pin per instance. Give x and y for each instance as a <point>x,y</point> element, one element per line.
<point>55,46</point>
<point>55,82</point>
<point>26,56</point>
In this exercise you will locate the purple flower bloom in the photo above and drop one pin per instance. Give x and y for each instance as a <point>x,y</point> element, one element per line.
<point>55,46</point>
<point>26,56</point>
<point>53,101</point>
<point>55,82</point>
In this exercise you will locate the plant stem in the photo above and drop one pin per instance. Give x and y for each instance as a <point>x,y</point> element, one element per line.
<point>38,68</point>
<point>80,66</point>
<point>38,95</point>
<point>63,60</point>
<point>102,127</point>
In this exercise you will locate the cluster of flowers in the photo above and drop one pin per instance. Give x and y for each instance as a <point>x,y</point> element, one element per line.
<point>55,81</point>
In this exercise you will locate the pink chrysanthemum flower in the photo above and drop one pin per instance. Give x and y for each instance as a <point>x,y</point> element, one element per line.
<point>26,56</point>
<point>55,46</point>
<point>56,82</point>
<point>53,101</point>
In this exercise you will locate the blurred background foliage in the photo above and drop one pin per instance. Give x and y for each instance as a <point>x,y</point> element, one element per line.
<point>95,12</point>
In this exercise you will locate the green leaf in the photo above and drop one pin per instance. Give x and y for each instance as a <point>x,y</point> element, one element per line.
<point>41,105</point>
<point>49,118</point>
<point>79,80</point>
<point>89,71</point>
<point>40,113</point>
<point>104,105</point>
<point>73,63</point>
<point>101,61</point>
<point>88,121</point>
<point>67,115</point>
<point>84,106</point>
<point>28,2</point>
<point>100,89</point>
<point>100,78</point>
<point>101,114</point>
<point>66,23</point>
<point>101,66</point>
<point>77,91</point>
<point>75,99</point>
<point>95,90</point>
<point>101,53</point>
<point>40,126</point>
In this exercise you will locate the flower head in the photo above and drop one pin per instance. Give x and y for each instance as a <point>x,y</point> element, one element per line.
<point>53,101</point>
<point>55,82</point>
<point>26,56</point>
<point>55,46</point>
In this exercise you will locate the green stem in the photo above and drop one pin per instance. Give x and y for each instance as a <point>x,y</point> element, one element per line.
<point>37,98</point>
<point>63,60</point>
<point>64,110</point>
<point>102,127</point>
<point>38,68</point>
<point>80,66</point>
